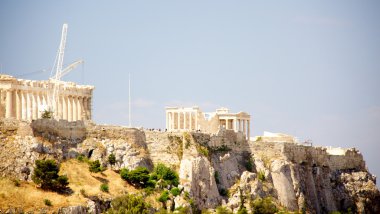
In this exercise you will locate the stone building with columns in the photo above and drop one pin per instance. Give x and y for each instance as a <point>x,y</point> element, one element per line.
<point>27,99</point>
<point>192,118</point>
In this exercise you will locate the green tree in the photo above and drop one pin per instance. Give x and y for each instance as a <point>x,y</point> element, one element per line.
<point>94,166</point>
<point>175,191</point>
<point>129,204</point>
<point>163,198</point>
<point>112,159</point>
<point>263,206</point>
<point>162,172</point>
<point>138,177</point>
<point>46,174</point>
<point>222,210</point>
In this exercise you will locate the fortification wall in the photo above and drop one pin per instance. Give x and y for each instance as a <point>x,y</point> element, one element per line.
<point>165,147</point>
<point>335,158</point>
<point>61,129</point>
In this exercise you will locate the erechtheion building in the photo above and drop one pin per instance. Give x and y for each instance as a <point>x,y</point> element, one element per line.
<point>27,99</point>
<point>187,119</point>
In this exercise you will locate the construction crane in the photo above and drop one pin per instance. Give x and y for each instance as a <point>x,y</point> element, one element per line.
<point>55,78</point>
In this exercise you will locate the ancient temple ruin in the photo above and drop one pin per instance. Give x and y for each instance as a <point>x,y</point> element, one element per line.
<point>192,118</point>
<point>27,99</point>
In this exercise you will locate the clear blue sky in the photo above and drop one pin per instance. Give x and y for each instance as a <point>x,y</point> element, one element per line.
<point>307,68</point>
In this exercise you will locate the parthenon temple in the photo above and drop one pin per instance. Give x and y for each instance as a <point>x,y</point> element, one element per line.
<point>187,119</point>
<point>28,99</point>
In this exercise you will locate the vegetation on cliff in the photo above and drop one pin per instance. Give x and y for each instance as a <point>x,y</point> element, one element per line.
<point>46,175</point>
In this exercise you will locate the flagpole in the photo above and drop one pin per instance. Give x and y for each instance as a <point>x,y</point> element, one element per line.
<point>129,92</point>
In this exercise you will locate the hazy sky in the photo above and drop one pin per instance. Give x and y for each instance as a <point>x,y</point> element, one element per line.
<point>307,68</point>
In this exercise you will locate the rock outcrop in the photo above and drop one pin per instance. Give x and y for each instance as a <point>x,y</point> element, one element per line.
<point>222,169</point>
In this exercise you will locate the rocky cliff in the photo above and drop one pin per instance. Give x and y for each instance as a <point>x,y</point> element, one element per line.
<point>222,169</point>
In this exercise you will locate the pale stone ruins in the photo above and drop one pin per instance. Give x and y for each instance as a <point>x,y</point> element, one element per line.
<point>192,118</point>
<point>27,99</point>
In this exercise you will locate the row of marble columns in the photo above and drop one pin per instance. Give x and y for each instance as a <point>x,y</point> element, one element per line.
<point>238,125</point>
<point>181,121</point>
<point>29,105</point>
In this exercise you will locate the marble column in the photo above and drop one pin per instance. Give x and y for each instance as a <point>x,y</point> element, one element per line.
<point>75,108</point>
<point>38,97</point>
<point>59,110</point>
<point>23,105</point>
<point>9,105</point>
<point>178,121</point>
<point>34,106</point>
<point>248,129</point>
<point>29,106</point>
<point>196,121</point>
<point>89,108</point>
<point>64,108</point>
<point>18,105</point>
<point>184,120</point>
<point>69,109</point>
<point>80,108</point>
<point>244,129</point>
<point>191,120</point>
<point>84,110</point>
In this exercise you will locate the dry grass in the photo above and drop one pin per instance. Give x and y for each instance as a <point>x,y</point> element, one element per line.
<point>30,198</point>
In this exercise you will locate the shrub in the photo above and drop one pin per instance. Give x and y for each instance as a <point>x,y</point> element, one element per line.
<point>47,202</point>
<point>242,211</point>
<point>95,166</point>
<point>138,177</point>
<point>124,173</point>
<point>164,196</point>
<point>222,210</point>
<point>46,175</point>
<point>264,206</point>
<point>187,137</point>
<point>261,176</point>
<point>187,195</point>
<point>83,192</point>
<point>112,159</point>
<point>203,150</point>
<point>104,187</point>
<point>130,204</point>
<point>175,191</point>
<point>223,192</point>
<point>82,158</point>
<point>16,182</point>
<point>162,172</point>
<point>47,114</point>
<point>216,176</point>
<point>249,164</point>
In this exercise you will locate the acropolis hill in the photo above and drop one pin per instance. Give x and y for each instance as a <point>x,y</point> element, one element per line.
<point>217,163</point>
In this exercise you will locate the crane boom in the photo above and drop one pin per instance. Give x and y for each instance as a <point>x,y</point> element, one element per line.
<point>61,51</point>
<point>67,69</point>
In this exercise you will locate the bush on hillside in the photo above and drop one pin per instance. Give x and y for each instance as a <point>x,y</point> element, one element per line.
<point>46,174</point>
<point>167,175</point>
<point>263,206</point>
<point>104,187</point>
<point>112,159</point>
<point>222,210</point>
<point>175,191</point>
<point>94,166</point>
<point>138,177</point>
<point>130,204</point>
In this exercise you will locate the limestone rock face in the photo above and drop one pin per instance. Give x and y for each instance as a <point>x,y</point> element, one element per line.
<point>298,177</point>
<point>197,177</point>
<point>73,210</point>
<point>21,144</point>
<point>164,147</point>
<point>316,179</point>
